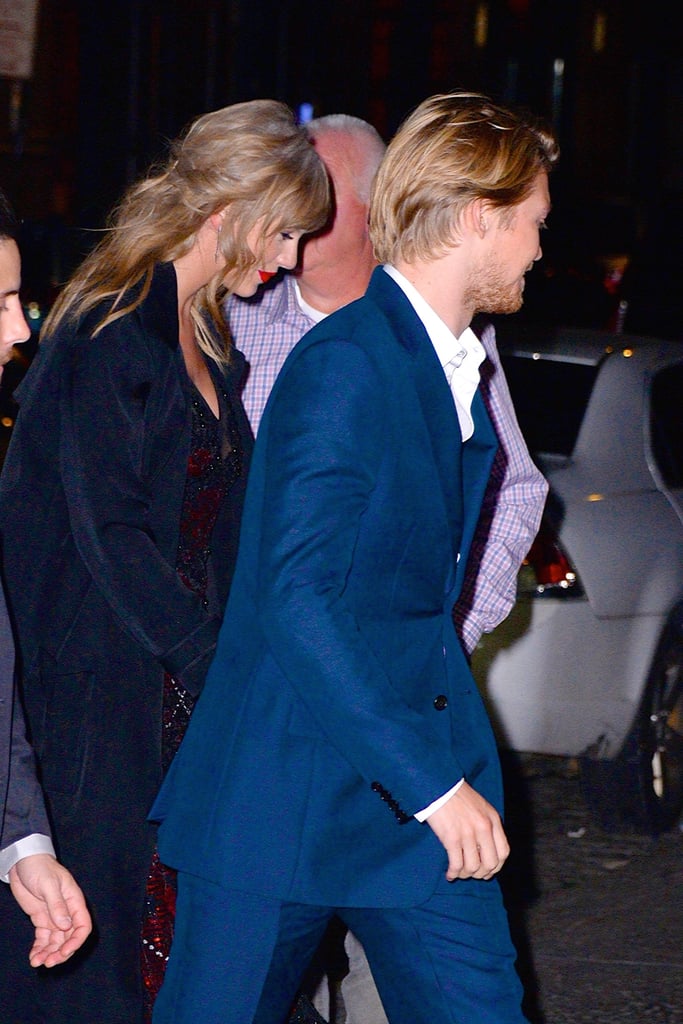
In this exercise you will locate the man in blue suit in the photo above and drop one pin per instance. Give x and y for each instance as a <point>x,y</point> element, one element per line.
<point>340,759</point>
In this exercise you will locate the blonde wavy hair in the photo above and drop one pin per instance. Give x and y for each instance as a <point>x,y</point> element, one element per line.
<point>250,160</point>
<point>454,148</point>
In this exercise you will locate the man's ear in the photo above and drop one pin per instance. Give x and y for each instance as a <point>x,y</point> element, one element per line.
<point>478,216</point>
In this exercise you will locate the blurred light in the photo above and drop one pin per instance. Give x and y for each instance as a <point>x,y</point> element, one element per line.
<point>622,310</point>
<point>552,570</point>
<point>558,88</point>
<point>305,113</point>
<point>7,421</point>
<point>599,31</point>
<point>481,26</point>
<point>627,353</point>
<point>595,497</point>
<point>33,311</point>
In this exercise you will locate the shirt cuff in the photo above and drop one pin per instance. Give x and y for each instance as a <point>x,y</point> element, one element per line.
<point>26,847</point>
<point>423,815</point>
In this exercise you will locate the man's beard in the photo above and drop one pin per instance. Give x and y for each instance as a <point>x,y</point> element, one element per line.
<point>489,292</point>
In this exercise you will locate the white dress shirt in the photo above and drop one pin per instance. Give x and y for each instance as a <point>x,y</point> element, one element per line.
<point>460,357</point>
<point>27,847</point>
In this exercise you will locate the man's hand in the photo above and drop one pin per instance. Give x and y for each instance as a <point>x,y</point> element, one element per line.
<point>471,832</point>
<point>48,893</point>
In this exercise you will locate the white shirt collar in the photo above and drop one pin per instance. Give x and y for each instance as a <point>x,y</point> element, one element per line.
<point>310,311</point>
<point>460,357</point>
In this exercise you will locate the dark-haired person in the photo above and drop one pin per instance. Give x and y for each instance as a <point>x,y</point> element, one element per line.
<point>121,500</point>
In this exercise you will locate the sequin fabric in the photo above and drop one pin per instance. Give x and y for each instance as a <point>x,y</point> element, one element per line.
<point>214,463</point>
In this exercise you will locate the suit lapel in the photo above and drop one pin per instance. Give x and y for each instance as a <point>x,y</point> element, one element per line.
<point>463,469</point>
<point>433,392</point>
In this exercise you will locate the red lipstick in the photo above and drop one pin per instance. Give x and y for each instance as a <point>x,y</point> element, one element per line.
<point>266,275</point>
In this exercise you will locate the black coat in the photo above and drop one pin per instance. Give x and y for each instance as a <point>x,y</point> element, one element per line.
<point>90,503</point>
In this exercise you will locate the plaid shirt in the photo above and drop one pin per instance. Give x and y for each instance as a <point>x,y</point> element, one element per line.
<point>268,327</point>
<point>510,514</point>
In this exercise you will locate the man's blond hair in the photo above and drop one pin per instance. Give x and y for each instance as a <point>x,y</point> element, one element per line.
<point>454,148</point>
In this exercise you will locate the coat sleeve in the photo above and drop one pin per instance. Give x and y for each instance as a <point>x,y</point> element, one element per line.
<point>123,452</point>
<point>326,436</point>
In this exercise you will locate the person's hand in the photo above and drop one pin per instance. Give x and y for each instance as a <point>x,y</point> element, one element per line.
<point>471,832</point>
<point>48,893</point>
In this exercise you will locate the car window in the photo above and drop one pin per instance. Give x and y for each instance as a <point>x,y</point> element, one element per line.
<point>666,422</point>
<point>550,398</point>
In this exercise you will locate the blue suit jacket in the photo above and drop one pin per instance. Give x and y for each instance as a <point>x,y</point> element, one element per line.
<point>317,734</point>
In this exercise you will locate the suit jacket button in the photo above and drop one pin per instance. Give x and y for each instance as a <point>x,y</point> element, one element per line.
<point>441,702</point>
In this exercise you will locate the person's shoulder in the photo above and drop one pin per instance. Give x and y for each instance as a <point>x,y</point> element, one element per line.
<point>135,345</point>
<point>148,326</point>
<point>353,336</point>
<point>150,302</point>
<point>353,317</point>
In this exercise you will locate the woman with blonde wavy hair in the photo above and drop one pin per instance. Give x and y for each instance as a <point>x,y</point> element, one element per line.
<point>120,503</point>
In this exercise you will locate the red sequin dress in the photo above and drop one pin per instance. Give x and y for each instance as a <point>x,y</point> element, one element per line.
<point>214,463</point>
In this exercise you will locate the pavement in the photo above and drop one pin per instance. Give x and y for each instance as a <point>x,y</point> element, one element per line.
<point>597,917</point>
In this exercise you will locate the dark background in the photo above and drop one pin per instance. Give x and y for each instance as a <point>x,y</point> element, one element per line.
<point>113,81</point>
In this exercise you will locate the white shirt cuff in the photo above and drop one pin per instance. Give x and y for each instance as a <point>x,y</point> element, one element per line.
<point>26,847</point>
<point>423,815</point>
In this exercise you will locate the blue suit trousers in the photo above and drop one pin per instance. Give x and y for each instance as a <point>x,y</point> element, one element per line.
<point>242,957</point>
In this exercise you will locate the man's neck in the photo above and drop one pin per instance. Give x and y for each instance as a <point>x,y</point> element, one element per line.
<point>439,287</point>
<point>327,290</point>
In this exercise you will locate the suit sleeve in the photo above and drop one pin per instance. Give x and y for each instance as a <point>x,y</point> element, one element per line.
<point>23,807</point>
<point>116,394</point>
<point>509,520</point>
<point>326,437</point>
